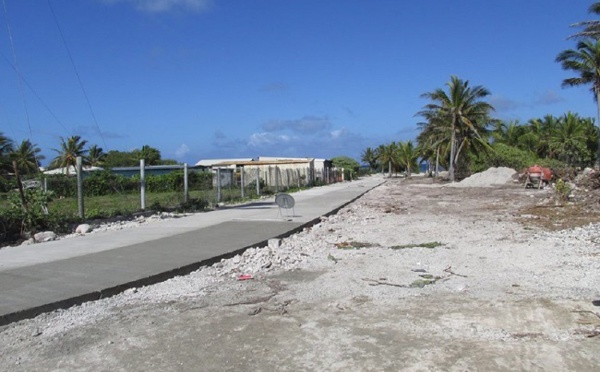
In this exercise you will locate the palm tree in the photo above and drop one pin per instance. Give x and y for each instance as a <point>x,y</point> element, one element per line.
<point>568,139</point>
<point>27,156</point>
<point>585,61</point>
<point>69,151</point>
<point>433,140</point>
<point>462,112</point>
<point>407,156</point>
<point>149,154</point>
<point>369,156</point>
<point>6,146</point>
<point>591,29</point>
<point>96,156</point>
<point>386,154</point>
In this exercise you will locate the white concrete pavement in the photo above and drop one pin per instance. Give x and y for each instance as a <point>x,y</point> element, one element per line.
<point>43,277</point>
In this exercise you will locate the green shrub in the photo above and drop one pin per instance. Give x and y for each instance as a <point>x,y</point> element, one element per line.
<point>503,155</point>
<point>562,190</point>
<point>107,183</point>
<point>62,186</point>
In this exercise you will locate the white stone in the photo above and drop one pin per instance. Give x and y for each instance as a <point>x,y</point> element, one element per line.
<point>44,236</point>
<point>274,243</point>
<point>84,228</point>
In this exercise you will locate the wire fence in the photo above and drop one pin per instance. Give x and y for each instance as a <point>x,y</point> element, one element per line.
<point>107,194</point>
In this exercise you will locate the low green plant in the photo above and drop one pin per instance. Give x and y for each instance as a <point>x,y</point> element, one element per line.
<point>429,245</point>
<point>562,190</point>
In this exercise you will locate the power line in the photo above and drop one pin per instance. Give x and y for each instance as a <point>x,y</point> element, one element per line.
<point>16,68</point>
<point>34,92</point>
<point>76,73</point>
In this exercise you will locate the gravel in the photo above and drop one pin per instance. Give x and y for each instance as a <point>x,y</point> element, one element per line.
<point>413,278</point>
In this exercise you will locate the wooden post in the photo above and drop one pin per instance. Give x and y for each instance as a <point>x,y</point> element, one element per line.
<point>20,186</point>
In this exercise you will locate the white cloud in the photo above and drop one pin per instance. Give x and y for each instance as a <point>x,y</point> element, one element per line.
<point>335,134</point>
<point>549,97</point>
<point>182,151</point>
<point>305,125</point>
<point>266,139</point>
<point>161,6</point>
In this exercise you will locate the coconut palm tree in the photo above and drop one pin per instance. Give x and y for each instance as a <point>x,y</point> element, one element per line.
<point>70,149</point>
<point>369,156</point>
<point>6,146</point>
<point>462,112</point>
<point>568,139</point>
<point>591,29</point>
<point>27,156</point>
<point>585,62</point>
<point>386,154</point>
<point>96,156</point>
<point>433,139</point>
<point>408,155</point>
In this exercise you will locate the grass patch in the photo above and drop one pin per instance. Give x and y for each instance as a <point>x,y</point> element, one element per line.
<point>355,245</point>
<point>429,245</point>
<point>426,279</point>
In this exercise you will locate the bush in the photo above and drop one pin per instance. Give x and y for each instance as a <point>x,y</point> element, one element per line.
<point>107,183</point>
<point>62,186</point>
<point>7,184</point>
<point>504,156</point>
<point>19,221</point>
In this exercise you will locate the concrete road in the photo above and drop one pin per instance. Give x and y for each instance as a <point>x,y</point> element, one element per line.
<point>47,276</point>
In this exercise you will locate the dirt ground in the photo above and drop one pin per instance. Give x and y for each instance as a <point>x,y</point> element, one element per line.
<point>412,276</point>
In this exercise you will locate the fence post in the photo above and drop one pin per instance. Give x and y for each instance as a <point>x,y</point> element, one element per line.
<point>242,179</point>
<point>218,185</point>
<point>276,179</point>
<point>79,163</point>
<point>258,180</point>
<point>143,183</point>
<point>186,190</point>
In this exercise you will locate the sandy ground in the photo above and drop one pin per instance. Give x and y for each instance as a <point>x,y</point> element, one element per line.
<point>485,292</point>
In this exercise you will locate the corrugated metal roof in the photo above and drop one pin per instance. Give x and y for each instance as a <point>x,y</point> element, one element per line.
<point>263,162</point>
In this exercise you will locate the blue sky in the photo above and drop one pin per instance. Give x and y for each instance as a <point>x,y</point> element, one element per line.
<point>202,79</point>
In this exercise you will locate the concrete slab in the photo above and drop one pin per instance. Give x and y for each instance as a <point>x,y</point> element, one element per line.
<point>59,274</point>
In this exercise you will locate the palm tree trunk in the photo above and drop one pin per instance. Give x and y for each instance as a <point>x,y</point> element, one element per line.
<point>452,150</point>
<point>390,169</point>
<point>437,161</point>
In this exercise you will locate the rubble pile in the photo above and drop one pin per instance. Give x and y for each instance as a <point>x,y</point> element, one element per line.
<point>489,178</point>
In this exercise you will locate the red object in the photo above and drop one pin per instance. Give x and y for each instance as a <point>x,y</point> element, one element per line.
<point>537,171</point>
<point>245,277</point>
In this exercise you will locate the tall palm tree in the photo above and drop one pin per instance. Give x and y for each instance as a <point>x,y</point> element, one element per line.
<point>6,147</point>
<point>568,139</point>
<point>591,29</point>
<point>369,156</point>
<point>462,112</point>
<point>433,140</point>
<point>386,154</point>
<point>96,156</point>
<point>27,156</point>
<point>407,156</point>
<point>585,62</point>
<point>70,150</point>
